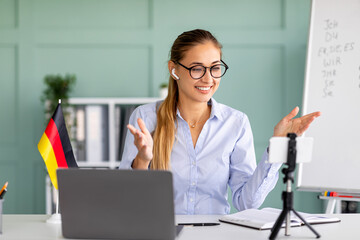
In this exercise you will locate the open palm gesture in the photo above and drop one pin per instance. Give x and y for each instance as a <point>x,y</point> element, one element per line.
<point>143,141</point>
<point>289,124</point>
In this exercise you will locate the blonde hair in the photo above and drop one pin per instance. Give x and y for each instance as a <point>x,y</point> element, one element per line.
<point>164,134</point>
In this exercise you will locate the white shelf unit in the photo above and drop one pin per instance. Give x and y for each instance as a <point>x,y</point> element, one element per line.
<point>111,103</point>
<point>112,162</point>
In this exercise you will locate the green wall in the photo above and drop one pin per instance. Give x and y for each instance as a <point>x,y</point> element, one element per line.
<point>120,49</point>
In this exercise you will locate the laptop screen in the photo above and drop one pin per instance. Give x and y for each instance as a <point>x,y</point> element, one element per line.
<point>121,204</point>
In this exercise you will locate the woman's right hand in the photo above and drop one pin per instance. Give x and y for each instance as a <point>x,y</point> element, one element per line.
<point>144,143</point>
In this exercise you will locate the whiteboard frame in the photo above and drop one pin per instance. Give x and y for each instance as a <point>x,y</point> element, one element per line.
<point>299,185</point>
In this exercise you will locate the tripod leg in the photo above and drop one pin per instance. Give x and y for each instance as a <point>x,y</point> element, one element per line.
<point>278,224</point>
<point>306,223</point>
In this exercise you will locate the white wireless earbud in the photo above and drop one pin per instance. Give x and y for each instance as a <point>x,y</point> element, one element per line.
<point>173,73</point>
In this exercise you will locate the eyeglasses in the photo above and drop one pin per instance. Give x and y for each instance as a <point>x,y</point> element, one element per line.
<point>198,71</point>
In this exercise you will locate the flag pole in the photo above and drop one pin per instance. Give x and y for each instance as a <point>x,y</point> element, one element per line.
<point>49,141</point>
<point>56,217</point>
<point>57,202</point>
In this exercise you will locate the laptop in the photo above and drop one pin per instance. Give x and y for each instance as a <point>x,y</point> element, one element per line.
<point>116,204</point>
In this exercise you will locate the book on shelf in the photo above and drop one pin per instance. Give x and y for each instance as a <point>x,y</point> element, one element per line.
<point>117,130</point>
<point>126,112</point>
<point>265,218</point>
<point>80,152</point>
<point>96,121</point>
<point>73,125</point>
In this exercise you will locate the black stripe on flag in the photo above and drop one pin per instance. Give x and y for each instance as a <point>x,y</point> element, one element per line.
<point>58,118</point>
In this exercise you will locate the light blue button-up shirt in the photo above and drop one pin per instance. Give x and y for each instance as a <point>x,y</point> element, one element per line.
<point>223,156</point>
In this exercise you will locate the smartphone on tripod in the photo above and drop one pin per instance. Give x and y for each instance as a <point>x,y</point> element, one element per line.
<point>278,149</point>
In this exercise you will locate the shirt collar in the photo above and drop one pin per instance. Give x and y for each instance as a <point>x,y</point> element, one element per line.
<point>215,111</point>
<point>178,113</point>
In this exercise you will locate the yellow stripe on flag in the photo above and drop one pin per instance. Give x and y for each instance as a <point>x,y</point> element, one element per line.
<point>47,152</point>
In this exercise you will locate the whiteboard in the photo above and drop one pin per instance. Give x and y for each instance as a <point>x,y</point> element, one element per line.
<point>332,86</point>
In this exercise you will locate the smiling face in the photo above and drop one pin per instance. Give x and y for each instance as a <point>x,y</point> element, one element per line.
<point>197,90</point>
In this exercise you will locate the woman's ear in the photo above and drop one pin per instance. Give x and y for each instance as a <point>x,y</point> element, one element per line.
<point>171,66</point>
<point>174,74</point>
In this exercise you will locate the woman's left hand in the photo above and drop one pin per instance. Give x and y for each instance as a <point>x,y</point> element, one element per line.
<point>296,125</point>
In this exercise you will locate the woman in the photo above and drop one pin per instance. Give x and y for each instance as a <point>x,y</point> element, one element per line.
<point>205,144</point>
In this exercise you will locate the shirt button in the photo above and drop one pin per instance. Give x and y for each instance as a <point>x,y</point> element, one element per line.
<point>191,200</point>
<point>193,163</point>
<point>193,183</point>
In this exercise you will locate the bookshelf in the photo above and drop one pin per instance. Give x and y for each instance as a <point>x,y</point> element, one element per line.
<point>110,104</point>
<point>111,127</point>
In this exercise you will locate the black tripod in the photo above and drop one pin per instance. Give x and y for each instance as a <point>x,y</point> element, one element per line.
<point>287,196</point>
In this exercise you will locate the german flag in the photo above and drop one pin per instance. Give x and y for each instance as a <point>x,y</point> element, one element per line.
<point>55,147</point>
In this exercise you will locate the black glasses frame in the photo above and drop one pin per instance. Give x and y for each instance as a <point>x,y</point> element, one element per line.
<point>210,68</point>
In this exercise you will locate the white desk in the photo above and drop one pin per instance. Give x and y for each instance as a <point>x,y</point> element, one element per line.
<point>34,227</point>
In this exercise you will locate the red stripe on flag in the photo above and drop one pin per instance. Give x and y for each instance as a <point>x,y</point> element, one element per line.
<point>52,133</point>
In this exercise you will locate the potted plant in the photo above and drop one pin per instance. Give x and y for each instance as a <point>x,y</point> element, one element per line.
<point>57,87</point>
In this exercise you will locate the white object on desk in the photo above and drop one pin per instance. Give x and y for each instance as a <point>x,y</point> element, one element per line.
<point>266,218</point>
<point>56,217</point>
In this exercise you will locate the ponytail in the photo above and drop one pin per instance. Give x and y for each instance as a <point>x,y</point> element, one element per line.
<point>164,135</point>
